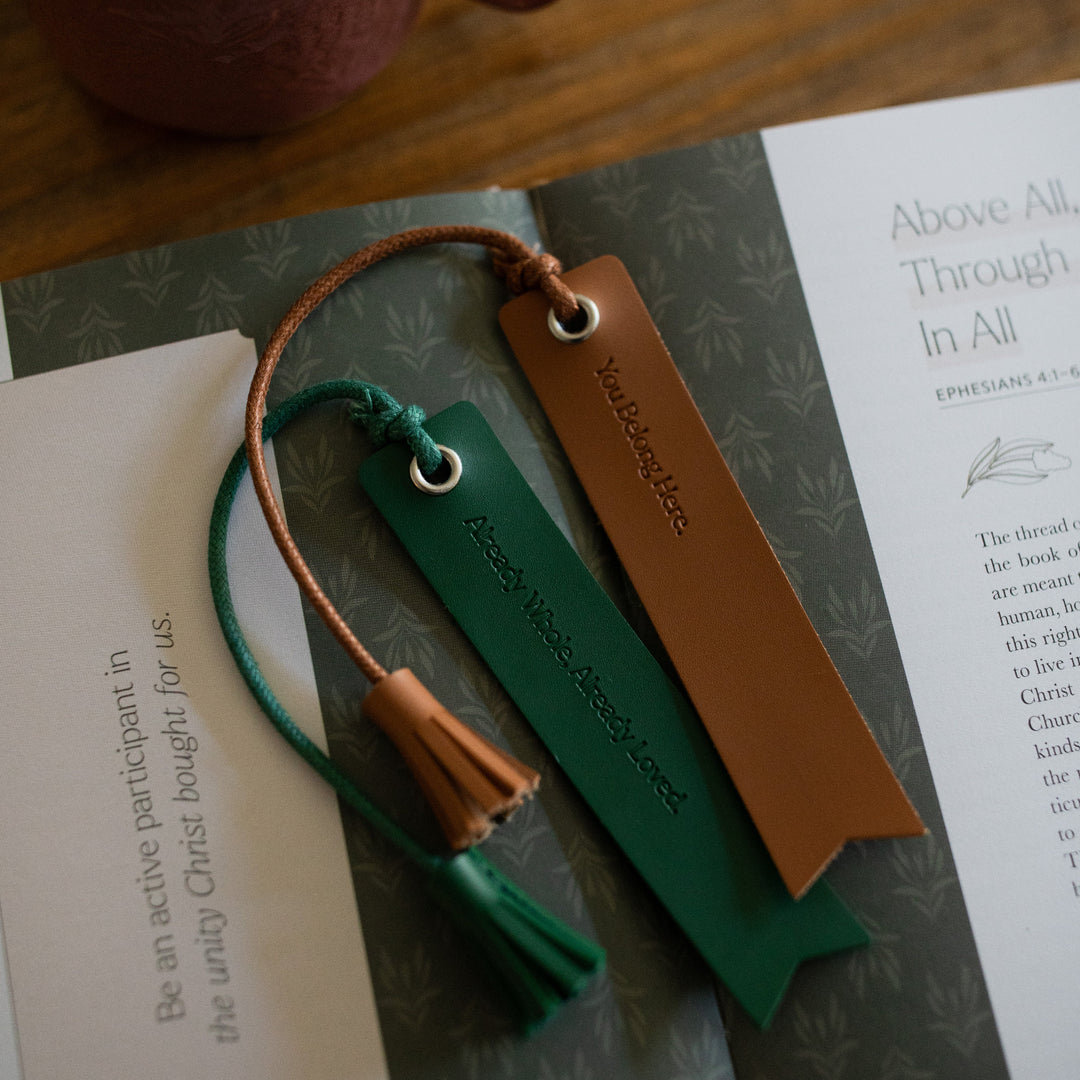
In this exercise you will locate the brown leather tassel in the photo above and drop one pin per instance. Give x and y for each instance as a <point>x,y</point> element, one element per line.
<point>470,783</point>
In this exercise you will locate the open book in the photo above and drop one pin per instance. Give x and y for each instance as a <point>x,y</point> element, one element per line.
<point>873,315</point>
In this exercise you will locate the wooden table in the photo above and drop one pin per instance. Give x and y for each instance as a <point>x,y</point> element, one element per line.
<point>480,96</point>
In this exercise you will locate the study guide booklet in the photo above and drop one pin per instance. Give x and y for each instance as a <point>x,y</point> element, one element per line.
<point>875,316</point>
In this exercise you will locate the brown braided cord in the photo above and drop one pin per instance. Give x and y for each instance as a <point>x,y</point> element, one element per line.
<point>523,269</point>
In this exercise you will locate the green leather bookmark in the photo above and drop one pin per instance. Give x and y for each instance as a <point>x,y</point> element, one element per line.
<point>623,733</point>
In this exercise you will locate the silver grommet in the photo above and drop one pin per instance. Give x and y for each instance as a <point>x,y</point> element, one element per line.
<point>429,488</point>
<point>592,321</point>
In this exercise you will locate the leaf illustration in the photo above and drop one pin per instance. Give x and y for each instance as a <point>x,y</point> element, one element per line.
<point>150,274</point>
<point>794,380</point>
<point>312,477</point>
<point>215,307</point>
<point>32,300</point>
<point>714,333</point>
<point>896,1065</point>
<point>703,1058</point>
<point>743,446</point>
<point>478,376</point>
<point>406,642</point>
<point>580,1070</point>
<point>737,160</point>
<point>409,989</point>
<point>96,334</point>
<point>766,268</point>
<point>619,190</point>
<point>878,965</point>
<point>825,498</point>
<point>922,869</point>
<point>653,286</point>
<point>961,1010</point>
<point>412,335</point>
<point>1021,461</point>
<point>590,870</point>
<point>825,1042</point>
<point>687,220</point>
<point>269,248</point>
<point>857,620</point>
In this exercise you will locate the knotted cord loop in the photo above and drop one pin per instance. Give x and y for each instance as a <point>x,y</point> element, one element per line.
<point>536,271</point>
<point>387,421</point>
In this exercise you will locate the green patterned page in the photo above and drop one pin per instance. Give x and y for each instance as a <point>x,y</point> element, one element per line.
<point>425,327</point>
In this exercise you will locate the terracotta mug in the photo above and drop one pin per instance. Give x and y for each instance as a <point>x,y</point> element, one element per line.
<point>227,67</point>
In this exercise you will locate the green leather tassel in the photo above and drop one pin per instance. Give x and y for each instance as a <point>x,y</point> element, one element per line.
<point>541,961</point>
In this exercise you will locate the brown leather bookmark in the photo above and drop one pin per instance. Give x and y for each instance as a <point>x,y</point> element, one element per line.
<point>801,755</point>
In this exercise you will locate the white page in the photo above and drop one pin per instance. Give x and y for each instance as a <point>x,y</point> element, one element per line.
<point>108,472</point>
<point>894,280</point>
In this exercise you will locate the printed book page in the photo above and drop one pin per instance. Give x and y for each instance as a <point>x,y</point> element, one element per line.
<point>175,890</point>
<point>938,247</point>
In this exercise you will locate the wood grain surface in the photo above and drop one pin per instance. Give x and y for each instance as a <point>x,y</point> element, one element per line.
<point>481,97</point>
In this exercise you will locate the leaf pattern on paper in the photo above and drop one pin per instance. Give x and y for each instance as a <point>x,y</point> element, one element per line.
<point>592,873</point>
<point>825,498</point>
<point>766,268</point>
<point>737,161</point>
<point>352,736</point>
<point>879,963</point>
<point>715,336</point>
<point>578,1070</point>
<point>653,286</point>
<point>795,382</point>
<point>1020,461</point>
<point>346,589</point>
<point>299,365</point>
<point>96,335</point>
<point>897,1065</point>
<point>961,1009</point>
<point>151,274</point>
<point>687,221</point>
<point>373,860</point>
<point>486,1057</point>
<point>857,619</point>
<point>824,1038</point>
<point>743,447</point>
<point>313,477</point>
<point>480,376</point>
<point>702,1058</point>
<point>899,741</point>
<point>409,989</point>
<point>925,879</point>
<point>269,248</point>
<point>215,306</point>
<point>619,190</point>
<point>383,219</point>
<point>32,301</point>
<point>411,335</point>
<point>406,642</point>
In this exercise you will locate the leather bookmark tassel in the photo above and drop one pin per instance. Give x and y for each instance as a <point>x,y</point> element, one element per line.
<point>469,782</point>
<point>540,960</point>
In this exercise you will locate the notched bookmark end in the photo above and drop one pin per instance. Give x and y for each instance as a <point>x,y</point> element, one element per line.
<point>888,815</point>
<point>471,784</point>
<point>541,961</point>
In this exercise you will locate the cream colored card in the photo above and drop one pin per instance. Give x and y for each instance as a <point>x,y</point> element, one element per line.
<point>175,890</point>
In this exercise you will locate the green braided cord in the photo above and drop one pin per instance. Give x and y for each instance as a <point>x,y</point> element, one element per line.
<point>249,668</point>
